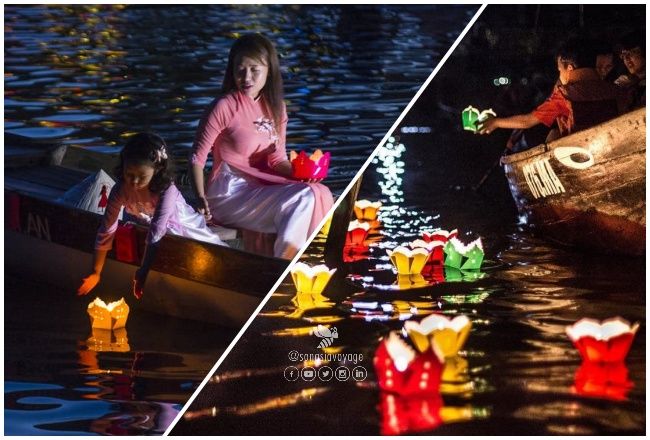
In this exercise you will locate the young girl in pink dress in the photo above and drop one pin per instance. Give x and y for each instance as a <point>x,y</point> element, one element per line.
<point>147,192</point>
<point>251,185</point>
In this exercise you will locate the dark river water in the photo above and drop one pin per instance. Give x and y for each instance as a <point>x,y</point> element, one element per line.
<point>518,372</point>
<point>90,75</point>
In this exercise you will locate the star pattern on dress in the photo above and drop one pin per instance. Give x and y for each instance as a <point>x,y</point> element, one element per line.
<point>264,125</point>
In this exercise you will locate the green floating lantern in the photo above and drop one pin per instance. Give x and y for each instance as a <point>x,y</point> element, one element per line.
<point>473,118</point>
<point>464,257</point>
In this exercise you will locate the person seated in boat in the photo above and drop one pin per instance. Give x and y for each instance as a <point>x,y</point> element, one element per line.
<point>608,64</point>
<point>580,99</point>
<point>146,190</point>
<point>633,56</point>
<point>251,185</point>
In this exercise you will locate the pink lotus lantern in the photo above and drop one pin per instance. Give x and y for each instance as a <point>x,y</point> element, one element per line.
<point>606,342</point>
<point>403,371</point>
<point>609,381</point>
<point>401,415</point>
<point>357,233</point>
<point>309,167</point>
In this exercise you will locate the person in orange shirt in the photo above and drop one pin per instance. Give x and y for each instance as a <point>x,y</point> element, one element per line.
<point>580,99</point>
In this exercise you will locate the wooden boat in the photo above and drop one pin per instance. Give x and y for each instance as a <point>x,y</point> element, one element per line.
<point>586,189</point>
<point>189,279</point>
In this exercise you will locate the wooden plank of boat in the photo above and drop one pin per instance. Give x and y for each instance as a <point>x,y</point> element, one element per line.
<point>189,279</point>
<point>586,189</point>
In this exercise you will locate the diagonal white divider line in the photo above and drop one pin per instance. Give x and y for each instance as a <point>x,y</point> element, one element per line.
<point>317,230</point>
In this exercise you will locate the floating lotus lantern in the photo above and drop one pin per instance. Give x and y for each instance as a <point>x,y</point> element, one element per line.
<point>401,370</point>
<point>409,261</point>
<point>602,342</point>
<point>473,118</point>
<point>108,316</point>
<point>455,377</point>
<point>366,210</point>
<point>434,273</point>
<point>357,233</point>
<point>465,257</point>
<point>401,415</point>
<point>440,333</point>
<point>609,381</point>
<point>439,235</point>
<point>307,167</point>
<point>310,279</point>
<point>435,248</point>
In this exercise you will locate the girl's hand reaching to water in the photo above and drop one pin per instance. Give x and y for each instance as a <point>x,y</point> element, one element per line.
<point>138,283</point>
<point>88,284</point>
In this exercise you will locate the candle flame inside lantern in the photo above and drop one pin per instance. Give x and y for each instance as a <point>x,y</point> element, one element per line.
<point>108,316</point>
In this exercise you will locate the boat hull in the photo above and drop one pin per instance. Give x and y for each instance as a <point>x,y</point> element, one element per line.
<point>587,189</point>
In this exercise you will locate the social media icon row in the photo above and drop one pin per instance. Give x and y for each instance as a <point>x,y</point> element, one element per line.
<point>325,373</point>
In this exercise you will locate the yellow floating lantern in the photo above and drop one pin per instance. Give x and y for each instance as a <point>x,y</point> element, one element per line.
<point>449,335</point>
<point>408,261</point>
<point>366,210</point>
<point>310,279</point>
<point>406,282</point>
<point>108,316</point>
<point>325,230</point>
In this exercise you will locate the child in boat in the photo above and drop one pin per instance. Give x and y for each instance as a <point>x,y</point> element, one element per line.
<point>147,192</point>
<point>580,100</point>
<point>633,56</point>
<point>251,186</point>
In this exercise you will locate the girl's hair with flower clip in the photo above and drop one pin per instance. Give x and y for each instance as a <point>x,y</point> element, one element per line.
<point>148,149</point>
<point>260,48</point>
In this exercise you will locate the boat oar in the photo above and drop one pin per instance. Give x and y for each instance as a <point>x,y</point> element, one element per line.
<point>488,172</point>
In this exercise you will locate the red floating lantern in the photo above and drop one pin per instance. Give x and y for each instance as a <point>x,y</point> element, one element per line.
<point>439,235</point>
<point>307,167</point>
<point>357,233</point>
<point>606,342</point>
<point>403,371</point>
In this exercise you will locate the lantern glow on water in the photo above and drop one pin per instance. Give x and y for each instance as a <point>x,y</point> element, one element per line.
<point>409,261</point>
<point>473,118</point>
<point>310,279</point>
<point>365,210</point>
<point>108,316</point>
<point>464,257</point>
<point>314,166</point>
<point>602,342</point>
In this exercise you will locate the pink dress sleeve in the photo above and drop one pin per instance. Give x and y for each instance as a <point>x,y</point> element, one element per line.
<point>108,226</point>
<point>280,153</point>
<point>164,212</point>
<point>213,123</point>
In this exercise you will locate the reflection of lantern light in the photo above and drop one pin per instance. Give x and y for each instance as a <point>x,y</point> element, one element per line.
<point>108,340</point>
<point>439,332</point>
<point>465,257</point>
<point>311,279</point>
<point>609,381</point>
<point>605,342</point>
<point>325,230</point>
<point>357,233</point>
<point>455,377</point>
<point>355,253</point>
<point>407,261</point>
<point>402,371</point>
<point>405,282</point>
<point>108,316</point>
<point>366,210</point>
<point>401,415</point>
<point>307,167</point>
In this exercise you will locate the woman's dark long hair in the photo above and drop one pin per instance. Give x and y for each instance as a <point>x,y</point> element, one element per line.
<point>148,149</point>
<point>260,48</point>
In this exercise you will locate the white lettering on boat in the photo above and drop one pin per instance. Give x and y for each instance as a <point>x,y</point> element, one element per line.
<point>541,179</point>
<point>566,157</point>
<point>40,227</point>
